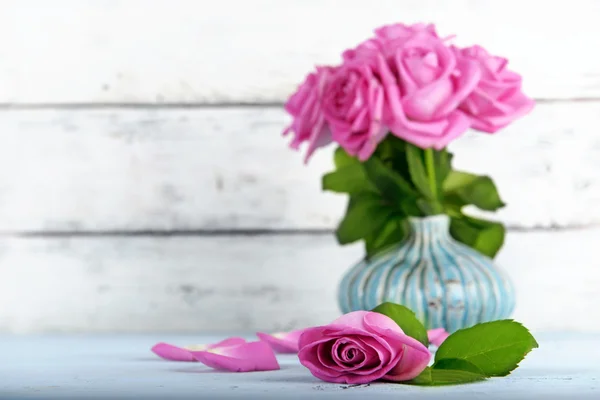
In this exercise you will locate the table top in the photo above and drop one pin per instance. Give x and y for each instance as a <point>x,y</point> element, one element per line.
<point>122,366</point>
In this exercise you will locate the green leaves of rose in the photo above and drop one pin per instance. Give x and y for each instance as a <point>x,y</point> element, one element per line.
<point>485,350</point>
<point>393,185</point>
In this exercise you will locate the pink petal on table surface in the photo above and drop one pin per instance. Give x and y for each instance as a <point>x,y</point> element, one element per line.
<point>282,342</point>
<point>246,357</point>
<point>172,353</point>
<point>185,353</point>
<point>437,336</point>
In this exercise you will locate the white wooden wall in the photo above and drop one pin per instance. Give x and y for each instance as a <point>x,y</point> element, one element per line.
<point>144,184</point>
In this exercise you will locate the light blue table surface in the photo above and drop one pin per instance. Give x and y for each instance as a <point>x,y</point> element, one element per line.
<point>566,366</point>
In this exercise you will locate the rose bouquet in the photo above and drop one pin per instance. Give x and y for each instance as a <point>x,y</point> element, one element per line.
<point>392,106</point>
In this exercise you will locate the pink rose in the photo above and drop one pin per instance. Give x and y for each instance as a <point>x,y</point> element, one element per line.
<point>497,100</point>
<point>432,84</point>
<point>361,347</point>
<point>305,107</point>
<point>401,32</point>
<point>423,82</point>
<point>354,108</point>
<point>388,39</point>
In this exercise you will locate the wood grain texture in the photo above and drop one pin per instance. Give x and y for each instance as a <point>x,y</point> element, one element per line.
<point>228,169</point>
<point>190,51</point>
<point>121,366</point>
<point>272,282</point>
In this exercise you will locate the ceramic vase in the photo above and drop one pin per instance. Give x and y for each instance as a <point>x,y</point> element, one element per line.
<point>446,283</point>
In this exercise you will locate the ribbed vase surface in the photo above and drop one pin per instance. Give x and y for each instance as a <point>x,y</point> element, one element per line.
<point>446,283</point>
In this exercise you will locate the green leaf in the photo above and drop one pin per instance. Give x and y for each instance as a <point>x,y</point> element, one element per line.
<point>392,233</point>
<point>406,319</point>
<point>457,180</point>
<point>438,377</point>
<point>458,365</point>
<point>461,188</point>
<point>389,183</point>
<point>416,167</point>
<point>487,237</point>
<point>366,213</point>
<point>496,348</point>
<point>342,159</point>
<point>392,153</point>
<point>350,179</point>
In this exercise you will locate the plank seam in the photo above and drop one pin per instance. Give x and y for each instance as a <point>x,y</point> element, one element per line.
<point>183,105</point>
<point>242,232</point>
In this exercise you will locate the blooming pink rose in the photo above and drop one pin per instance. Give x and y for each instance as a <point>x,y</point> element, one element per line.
<point>497,100</point>
<point>355,109</point>
<point>422,80</point>
<point>305,107</point>
<point>394,32</point>
<point>388,39</point>
<point>361,347</point>
<point>432,84</point>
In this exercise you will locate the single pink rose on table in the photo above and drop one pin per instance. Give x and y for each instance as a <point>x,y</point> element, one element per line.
<point>304,106</point>
<point>497,99</point>
<point>361,347</point>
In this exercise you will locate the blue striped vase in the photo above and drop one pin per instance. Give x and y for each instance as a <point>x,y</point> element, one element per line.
<point>446,283</point>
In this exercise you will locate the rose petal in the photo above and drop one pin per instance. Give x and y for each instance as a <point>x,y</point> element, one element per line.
<point>415,358</point>
<point>379,323</point>
<point>246,357</point>
<point>184,353</point>
<point>463,85</point>
<point>354,319</point>
<point>282,342</point>
<point>492,121</point>
<point>318,362</point>
<point>338,352</point>
<point>437,336</point>
<point>172,353</point>
<point>458,123</point>
<point>316,352</point>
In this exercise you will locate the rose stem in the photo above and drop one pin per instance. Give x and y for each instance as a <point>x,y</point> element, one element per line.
<point>430,164</point>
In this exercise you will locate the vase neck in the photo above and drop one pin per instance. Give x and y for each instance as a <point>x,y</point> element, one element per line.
<point>432,227</point>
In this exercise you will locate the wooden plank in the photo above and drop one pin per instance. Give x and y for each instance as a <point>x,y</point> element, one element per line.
<point>224,169</point>
<point>270,282</point>
<point>207,169</point>
<point>121,366</point>
<point>189,51</point>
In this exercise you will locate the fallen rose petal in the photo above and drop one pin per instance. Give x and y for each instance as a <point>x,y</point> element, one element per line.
<point>282,342</point>
<point>172,353</point>
<point>437,336</point>
<point>184,353</point>
<point>245,357</point>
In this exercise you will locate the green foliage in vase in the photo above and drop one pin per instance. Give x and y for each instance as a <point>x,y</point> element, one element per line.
<point>401,180</point>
